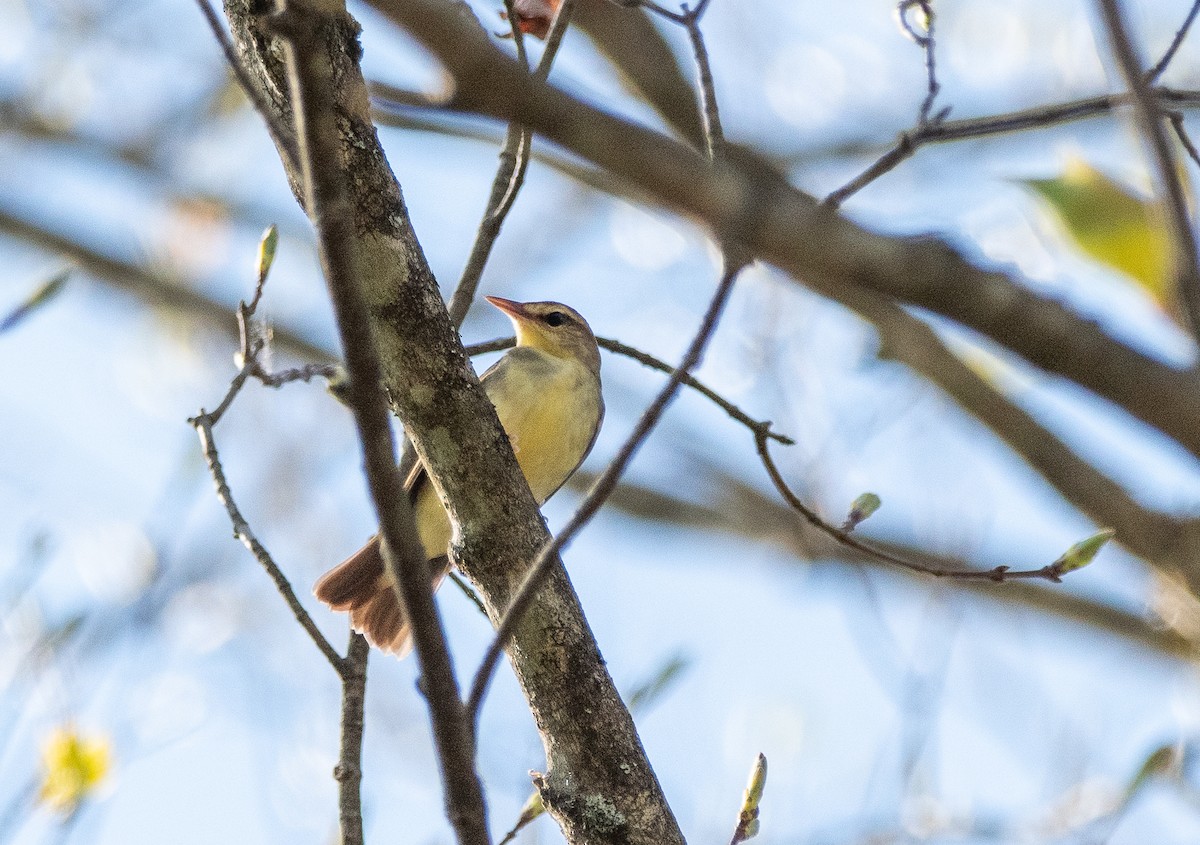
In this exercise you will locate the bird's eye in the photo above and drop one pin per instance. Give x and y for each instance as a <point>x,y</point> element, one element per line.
<point>555,319</point>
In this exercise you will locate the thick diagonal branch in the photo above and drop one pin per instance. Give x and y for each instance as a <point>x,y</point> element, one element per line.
<point>744,198</point>
<point>596,762</point>
<point>311,80</point>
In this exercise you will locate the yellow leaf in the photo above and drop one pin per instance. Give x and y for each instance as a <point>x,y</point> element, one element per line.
<point>1111,223</point>
<point>73,767</point>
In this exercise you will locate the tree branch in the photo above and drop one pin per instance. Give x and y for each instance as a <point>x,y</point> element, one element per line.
<point>1176,42</point>
<point>1170,188</point>
<point>306,35</point>
<point>510,175</point>
<point>348,771</point>
<point>744,197</point>
<point>1164,542</point>
<point>599,492</point>
<point>203,423</point>
<point>598,771</point>
<point>744,511</point>
<point>150,286</point>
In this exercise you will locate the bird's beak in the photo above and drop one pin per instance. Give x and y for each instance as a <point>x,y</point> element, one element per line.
<point>516,310</point>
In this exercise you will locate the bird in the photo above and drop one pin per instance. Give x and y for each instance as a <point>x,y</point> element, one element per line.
<point>546,391</point>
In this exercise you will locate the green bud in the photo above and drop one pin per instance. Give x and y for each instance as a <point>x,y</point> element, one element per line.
<point>1083,552</point>
<point>758,781</point>
<point>266,251</point>
<point>860,509</point>
<point>339,386</point>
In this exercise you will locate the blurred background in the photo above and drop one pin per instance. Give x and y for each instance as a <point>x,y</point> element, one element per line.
<point>144,650</point>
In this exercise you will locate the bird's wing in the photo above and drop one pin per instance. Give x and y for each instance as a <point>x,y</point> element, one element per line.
<point>417,477</point>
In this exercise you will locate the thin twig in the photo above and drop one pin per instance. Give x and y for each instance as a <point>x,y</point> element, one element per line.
<point>1051,572</point>
<point>650,6</point>
<point>690,381</point>
<point>283,139</point>
<point>1155,72</point>
<point>462,585</point>
<point>510,174</point>
<point>518,35</point>
<point>714,134</point>
<point>1176,118</point>
<point>203,423</point>
<point>547,558</point>
<point>327,201</point>
<point>923,36</point>
<point>939,130</point>
<point>646,359</point>
<point>1150,121</point>
<point>905,147</point>
<point>348,771</point>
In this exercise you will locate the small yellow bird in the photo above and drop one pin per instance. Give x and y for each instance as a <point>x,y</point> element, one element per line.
<point>547,394</point>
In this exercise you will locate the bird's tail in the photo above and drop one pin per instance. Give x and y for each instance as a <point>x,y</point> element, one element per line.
<point>361,585</point>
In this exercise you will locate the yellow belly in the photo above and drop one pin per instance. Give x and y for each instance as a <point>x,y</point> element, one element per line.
<point>550,408</point>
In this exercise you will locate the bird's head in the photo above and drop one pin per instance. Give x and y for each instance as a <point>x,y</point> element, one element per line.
<point>553,328</point>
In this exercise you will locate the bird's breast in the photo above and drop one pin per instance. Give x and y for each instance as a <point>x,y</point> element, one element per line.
<point>551,409</point>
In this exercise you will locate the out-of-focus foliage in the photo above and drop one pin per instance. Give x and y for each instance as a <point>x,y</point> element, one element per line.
<point>74,766</point>
<point>892,707</point>
<point>1112,223</point>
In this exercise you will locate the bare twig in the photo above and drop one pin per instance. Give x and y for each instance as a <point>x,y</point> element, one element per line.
<point>471,595</point>
<point>353,667</point>
<point>1150,120</point>
<point>348,771</point>
<point>649,360</point>
<point>939,130</point>
<point>714,134</point>
<point>1050,572</point>
<point>518,36</point>
<point>203,423</point>
<point>1161,540</point>
<point>279,133</point>
<point>547,558</point>
<point>1176,118</point>
<point>724,404</point>
<point>922,34</point>
<point>510,175</point>
<point>1155,72</point>
<point>310,80</point>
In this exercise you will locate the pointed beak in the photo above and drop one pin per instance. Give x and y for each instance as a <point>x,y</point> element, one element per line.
<point>516,310</point>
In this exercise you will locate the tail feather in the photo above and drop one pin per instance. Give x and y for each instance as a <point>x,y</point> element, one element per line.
<point>353,581</point>
<point>361,586</point>
<point>382,622</point>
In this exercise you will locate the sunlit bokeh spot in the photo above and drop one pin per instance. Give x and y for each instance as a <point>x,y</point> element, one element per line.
<point>647,240</point>
<point>115,560</point>
<point>806,85</point>
<point>167,707</point>
<point>203,617</point>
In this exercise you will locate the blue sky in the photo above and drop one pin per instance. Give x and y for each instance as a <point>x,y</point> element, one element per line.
<point>883,703</point>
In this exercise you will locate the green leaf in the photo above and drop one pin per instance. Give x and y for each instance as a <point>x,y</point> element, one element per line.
<point>649,691</point>
<point>39,297</point>
<point>1110,223</point>
<point>533,808</point>
<point>1161,761</point>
